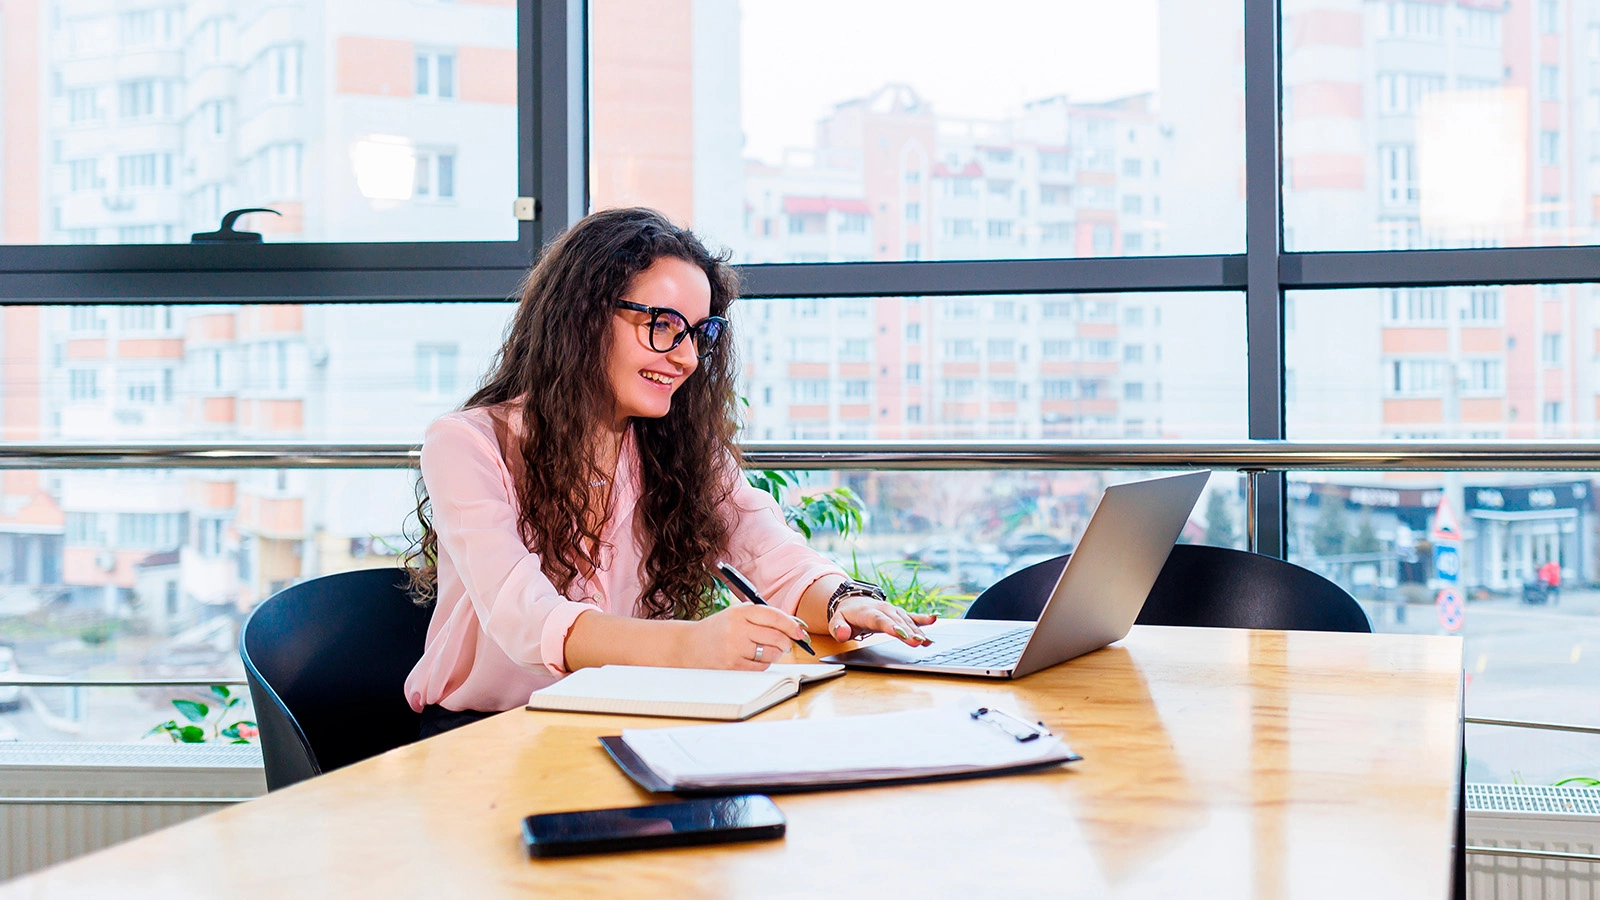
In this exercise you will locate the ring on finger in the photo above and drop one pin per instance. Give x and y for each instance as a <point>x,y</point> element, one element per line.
<point>760,651</point>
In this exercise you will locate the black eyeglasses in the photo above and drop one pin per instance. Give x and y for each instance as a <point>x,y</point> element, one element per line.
<point>668,328</point>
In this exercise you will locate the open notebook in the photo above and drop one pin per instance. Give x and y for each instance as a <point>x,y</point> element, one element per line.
<point>844,751</point>
<point>678,693</point>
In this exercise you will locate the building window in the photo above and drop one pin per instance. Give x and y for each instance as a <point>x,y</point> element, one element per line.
<point>961,349</point>
<point>1484,376</point>
<point>1133,353</point>
<point>83,385</point>
<point>1550,349</point>
<point>1551,412</point>
<point>436,175</point>
<point>960,389</point>
<point>1099,349</point>
<point>1132,168</point>
<point>1397,176</point>
<point>913,332</point>
<point>1549,82</point>
<point>280,68</point>
<point>83,105</point>
<point>1056,232</point>
<point>1000,229</point>
<point>914,413</point>
<point>960,228</point>
<point>1132,204</point>
<point>144,98</point>
<point>84,175</point>
<point>1133,390</point>
<point>808,390</point>
<point>436,370</point>
<point>1056,349</point>
<point>855,350</point>
<point>1483,305</point>
<point>1003,391</point>
<point>1549,17</point>
<point>1057,389</point>
<point>86,318</point>
<point>913,372</point>
<point>1100,244</point>
<point>854,389</point>
<point>278,171</point>
<point>1134,315</point>
<point>913,212</point>
<point>1002,349</point>
<point>1549,147</point>
<point>436,74</point>
<point>1416,377</point>
<point>144,170</point>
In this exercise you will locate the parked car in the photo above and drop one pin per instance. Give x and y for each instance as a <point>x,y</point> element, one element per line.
<point>1032,543</point>
<point>10,695</point>
<point>971,568</point>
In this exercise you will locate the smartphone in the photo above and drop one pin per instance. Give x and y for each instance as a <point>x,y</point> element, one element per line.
<point>710,820</point>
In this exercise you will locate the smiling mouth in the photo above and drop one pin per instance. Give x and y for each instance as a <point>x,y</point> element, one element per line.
<point>658,378</point>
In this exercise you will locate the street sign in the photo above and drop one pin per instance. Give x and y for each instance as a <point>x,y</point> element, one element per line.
<point>1447,563</point>
<point>1452,612</point>
<point>1446,527</point>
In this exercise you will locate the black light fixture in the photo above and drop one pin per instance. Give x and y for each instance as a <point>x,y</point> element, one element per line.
<point>226,234</point>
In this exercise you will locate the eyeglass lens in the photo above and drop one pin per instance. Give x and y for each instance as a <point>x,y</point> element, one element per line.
<point>667,329</point>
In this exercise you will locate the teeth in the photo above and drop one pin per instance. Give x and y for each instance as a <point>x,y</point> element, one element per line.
<point>658,379</point>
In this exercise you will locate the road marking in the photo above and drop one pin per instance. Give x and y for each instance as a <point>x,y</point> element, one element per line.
<point>1483,662</point>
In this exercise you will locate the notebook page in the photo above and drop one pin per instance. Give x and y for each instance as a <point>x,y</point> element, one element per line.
<point>795,751</point>
<point>660,684</point>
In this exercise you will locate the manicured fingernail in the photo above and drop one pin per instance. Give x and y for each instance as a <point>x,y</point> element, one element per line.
<point>901,631</point>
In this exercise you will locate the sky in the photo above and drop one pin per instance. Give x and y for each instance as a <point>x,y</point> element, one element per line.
<point>964,58</point>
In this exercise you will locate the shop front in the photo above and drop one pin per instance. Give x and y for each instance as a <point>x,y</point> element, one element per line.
<point>1514,530</point>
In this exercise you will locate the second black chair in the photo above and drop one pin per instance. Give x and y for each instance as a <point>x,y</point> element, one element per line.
<point>1204,586</point>
<point>327,661</point>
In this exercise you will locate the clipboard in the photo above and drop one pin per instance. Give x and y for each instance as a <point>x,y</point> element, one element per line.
<point>1041,755</point>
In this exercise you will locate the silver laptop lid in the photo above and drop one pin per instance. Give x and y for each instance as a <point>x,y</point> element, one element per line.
<point>1105,583</point>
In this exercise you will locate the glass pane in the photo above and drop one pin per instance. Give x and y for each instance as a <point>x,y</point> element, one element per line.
<point>1413,124</point>
<point>339,372</point>
<point>108,574</point>
<point>1496,361</point>
<point>1526,566</point>
<point>1031,128</point>
<point>144,125</point>
<point>1003,367</point>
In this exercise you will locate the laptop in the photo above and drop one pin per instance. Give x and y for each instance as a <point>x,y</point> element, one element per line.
<point>1094,602</point>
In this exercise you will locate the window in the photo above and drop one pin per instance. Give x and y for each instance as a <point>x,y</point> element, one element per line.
<point>913,332</point>
<point>280,71</point>
<point>1057,389</point>
<point>1483,306</point>
<point>914,413</point>
<point>1002,349</point>
<point>1133,315</point>
<point>83,105</point>
<point>142,171</point>
<point>1101,240</point>
<point>1003,311</point>
<point>1416,305</point>
<point>214,119</point>
<point>960,388</point>
<point>144,98</point>
<point>961,349</point>
<point>1099,349</point>
<point>854,390</point>
<point>913,372</point>
<point>1412,19</point>
<point>1133,390</point>
<point>1484,376</point>
<point>1549,148</point>
<point>855,350</point>
<point>852,223</point>
<point>1054,195</point>
<point>151,531</point>
<point>1056,232</point>
<point>1000,229</point>
<point>1549,82</point>
<point>960,228</point>
<point>436,175</point>
<point>913,212</point>
<point>83,385</point>
<point>1132,205</point>
<point>1133,353</point>
<point>808,390</point>
<point>1414,377</point>
<point>436,74</point>
<point>137,27</point>
<point>84,175</point>
<point>1550,349</point>
<point>1132,168</point>
<point>1397,176</point>
<point>436,370</point>
<point>1056,349</point>
<point>1478,26</point>
<point>1549,17</point>
<point>1550,412</point>
<point>1003,391</point>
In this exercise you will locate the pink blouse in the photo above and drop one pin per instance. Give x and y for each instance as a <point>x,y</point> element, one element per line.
<point>500,626</point>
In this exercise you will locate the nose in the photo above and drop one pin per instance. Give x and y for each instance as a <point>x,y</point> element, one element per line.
<point>684,355</point>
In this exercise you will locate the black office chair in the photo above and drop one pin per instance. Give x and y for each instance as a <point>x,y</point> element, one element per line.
<point>327,661</point>
<point>1214,587</point>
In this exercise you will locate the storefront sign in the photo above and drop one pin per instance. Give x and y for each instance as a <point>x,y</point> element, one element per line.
<point>1531,498</point>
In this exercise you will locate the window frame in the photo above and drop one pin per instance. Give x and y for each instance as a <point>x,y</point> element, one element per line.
<point>551,164</point>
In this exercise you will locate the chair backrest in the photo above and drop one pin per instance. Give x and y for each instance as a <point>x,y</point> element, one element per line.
<point>326,661</point>
<point>1214,587</point>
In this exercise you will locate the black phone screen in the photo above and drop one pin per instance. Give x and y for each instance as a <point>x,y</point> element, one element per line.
<point>709,820</point>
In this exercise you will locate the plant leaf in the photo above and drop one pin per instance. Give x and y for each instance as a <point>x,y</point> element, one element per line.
<point>232,731</point>
<point>221,691</point>
<point>1586,782</point>
<point>239,741</point>
<point>192,734</point>
<point>193,711</point>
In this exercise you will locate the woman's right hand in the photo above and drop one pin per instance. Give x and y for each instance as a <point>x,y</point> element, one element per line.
<point>728,639</point>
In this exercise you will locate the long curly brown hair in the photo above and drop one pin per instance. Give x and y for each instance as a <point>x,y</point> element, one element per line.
<point>551,369</point>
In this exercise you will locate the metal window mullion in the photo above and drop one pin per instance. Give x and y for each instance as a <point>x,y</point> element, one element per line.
<point>1263,250</point>
<point>562,121</point>
<point>1441,268</point>
<point>1222,272</point>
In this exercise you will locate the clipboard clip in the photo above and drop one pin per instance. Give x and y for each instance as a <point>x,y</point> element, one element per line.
<point>1010,724</point>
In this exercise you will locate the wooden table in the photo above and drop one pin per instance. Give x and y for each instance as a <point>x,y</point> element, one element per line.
<point>1216,763</point>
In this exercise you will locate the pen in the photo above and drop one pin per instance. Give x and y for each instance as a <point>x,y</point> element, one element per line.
<point>742,586</point>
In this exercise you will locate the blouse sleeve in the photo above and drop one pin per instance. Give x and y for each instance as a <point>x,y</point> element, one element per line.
<point>763,546</point>
<point>469,491</point>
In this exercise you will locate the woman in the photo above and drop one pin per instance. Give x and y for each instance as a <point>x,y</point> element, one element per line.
<point>575,507</point>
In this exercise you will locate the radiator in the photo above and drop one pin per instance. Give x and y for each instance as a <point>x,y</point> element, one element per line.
<point>60,800</point>
<point>1532,817</point>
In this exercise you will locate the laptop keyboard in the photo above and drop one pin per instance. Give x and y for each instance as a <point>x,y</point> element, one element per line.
<point>998,652</point>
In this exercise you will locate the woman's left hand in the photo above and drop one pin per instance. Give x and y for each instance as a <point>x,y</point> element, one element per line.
<point>861,615</point>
